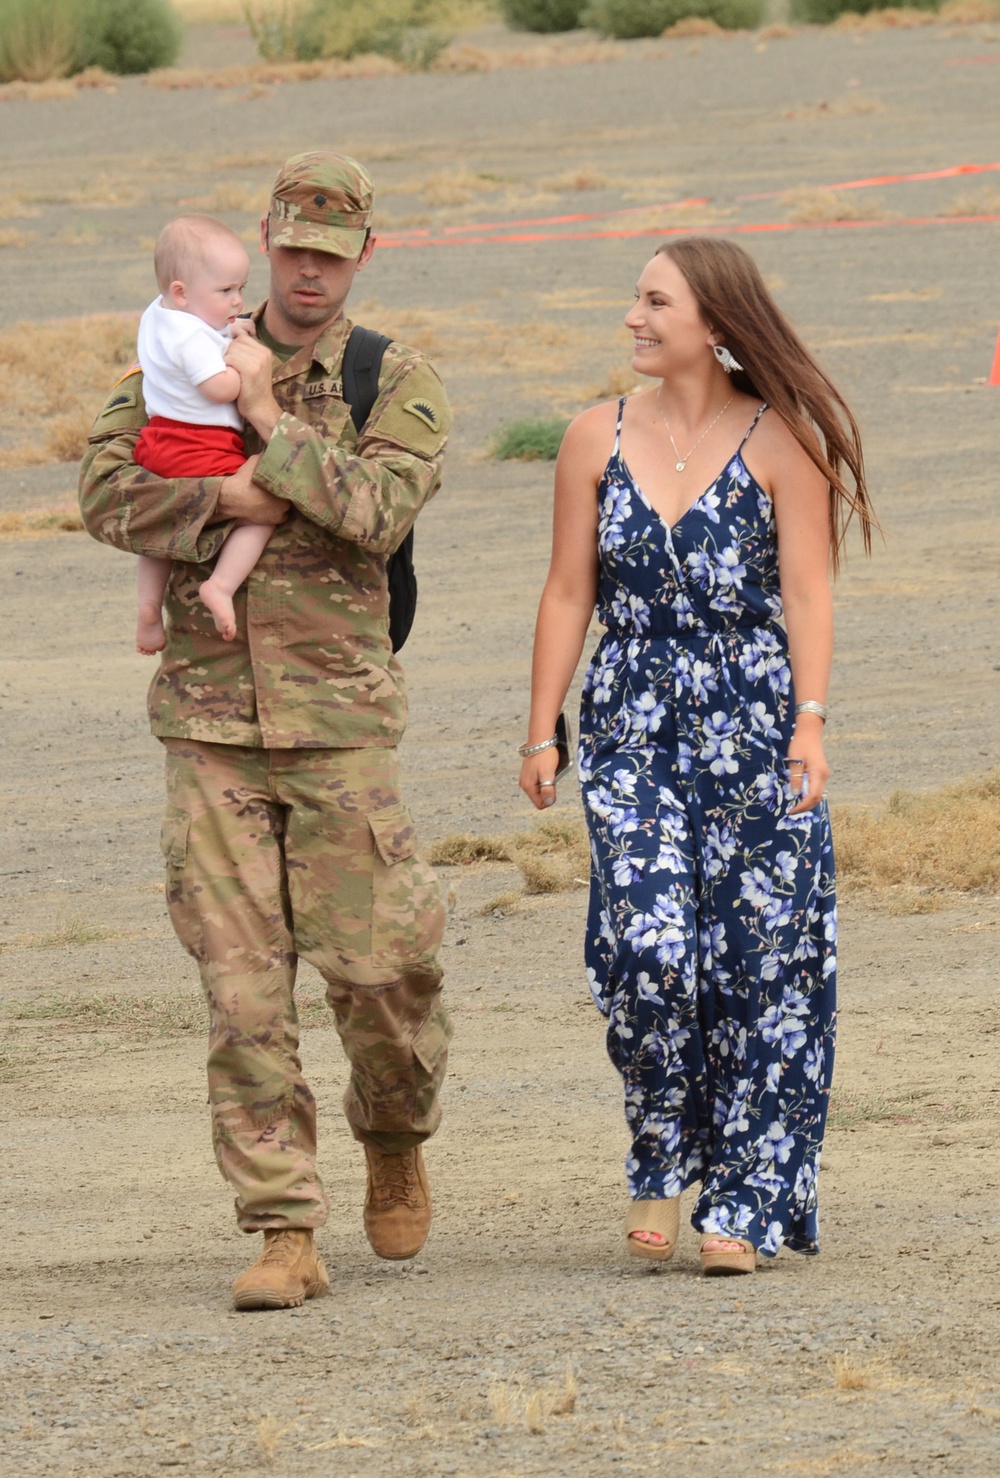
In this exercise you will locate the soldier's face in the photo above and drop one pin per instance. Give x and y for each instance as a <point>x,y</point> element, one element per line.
<point>308,290</point>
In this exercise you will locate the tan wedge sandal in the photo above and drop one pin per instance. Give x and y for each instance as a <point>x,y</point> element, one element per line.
<point>661,1217</point>
<point>721,1264</point>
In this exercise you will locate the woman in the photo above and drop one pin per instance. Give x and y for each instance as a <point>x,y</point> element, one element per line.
<point>711,933</point>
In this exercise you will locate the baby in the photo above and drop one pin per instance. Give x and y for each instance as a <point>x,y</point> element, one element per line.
<point>194,427</point>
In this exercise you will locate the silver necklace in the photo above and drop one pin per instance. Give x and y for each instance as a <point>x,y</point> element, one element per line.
<point>682,462</point>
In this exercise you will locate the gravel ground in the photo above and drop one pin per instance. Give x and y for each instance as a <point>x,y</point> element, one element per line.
<point>519,1342</point>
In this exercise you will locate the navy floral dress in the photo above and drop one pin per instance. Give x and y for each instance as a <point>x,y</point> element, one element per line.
<point>712,927</point>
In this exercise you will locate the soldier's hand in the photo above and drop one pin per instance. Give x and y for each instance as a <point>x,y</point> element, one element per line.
<point>240,497</point>
<point>256,400</point>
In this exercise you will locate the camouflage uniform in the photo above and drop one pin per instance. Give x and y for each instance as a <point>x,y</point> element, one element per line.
<point>284,832</point>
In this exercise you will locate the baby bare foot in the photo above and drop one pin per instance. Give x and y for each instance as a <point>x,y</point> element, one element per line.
<point>150,636</point>
<point>220,603</point>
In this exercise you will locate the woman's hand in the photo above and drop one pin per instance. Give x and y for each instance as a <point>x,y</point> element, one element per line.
<point>538,778</point>
<point>808,770</point>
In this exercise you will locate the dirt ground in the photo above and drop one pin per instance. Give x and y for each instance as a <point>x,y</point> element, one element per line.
<point>519,1342</point>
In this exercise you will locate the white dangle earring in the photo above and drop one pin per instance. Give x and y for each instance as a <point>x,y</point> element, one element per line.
<point>728,361</point>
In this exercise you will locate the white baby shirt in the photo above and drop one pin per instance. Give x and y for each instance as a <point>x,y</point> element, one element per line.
<point>176,352</point>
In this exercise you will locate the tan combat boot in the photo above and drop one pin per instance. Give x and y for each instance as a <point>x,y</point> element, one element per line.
<point>288,1271</point>
<point>398,1203</point>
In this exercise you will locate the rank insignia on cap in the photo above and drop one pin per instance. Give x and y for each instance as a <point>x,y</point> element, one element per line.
<point>423,411</point>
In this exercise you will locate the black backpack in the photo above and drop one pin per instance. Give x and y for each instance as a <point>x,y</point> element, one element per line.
<point>359,373</point>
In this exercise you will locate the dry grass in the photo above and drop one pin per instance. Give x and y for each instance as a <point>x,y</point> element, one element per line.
<point>74,931</point>
<point>619,381</point>
<point>513,1405</point>
<point>969,12</point>
<point>503,904</point>
<point>583,178</point>
<point>11,236</point>
<point>984,202</point>
<point>776,32</point>
<point>53,379</point>
<point>40,523</point>
<point>852,1374</point>
<point>229,197</point>
<point>694,25</point>
<point>923,848</point>
<point>552,858</point>
<point>851,1110</point>
<point>815,205</point>
<point>902,18</point>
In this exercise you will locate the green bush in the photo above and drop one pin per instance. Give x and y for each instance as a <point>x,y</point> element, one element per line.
<point>60,37</point>
<point>404,30</point>
<point>542,15</point>
<point>529,441</point>
<point>626,19</point>
<point>129,36</point>
<point>821,12</point>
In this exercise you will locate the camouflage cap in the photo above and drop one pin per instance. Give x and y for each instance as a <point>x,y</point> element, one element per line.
<point>323,201</point>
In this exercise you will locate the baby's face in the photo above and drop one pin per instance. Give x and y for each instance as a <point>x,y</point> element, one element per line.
<point>214,292</point>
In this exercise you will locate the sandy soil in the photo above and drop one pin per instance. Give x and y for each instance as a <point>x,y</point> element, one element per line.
<point>519,1342</point>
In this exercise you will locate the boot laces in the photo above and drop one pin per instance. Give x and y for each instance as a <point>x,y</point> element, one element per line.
<point>281,1248</point>
<point>395,1178</point>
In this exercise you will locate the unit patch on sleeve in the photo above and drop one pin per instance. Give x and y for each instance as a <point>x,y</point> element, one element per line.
<point>424,411</point>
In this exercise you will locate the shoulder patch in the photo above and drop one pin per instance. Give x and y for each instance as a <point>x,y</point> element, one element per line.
<point>424,411</point>
<point>120,401</point>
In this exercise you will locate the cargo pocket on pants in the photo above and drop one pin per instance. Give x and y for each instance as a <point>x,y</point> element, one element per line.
<point>407,913</point>
<point>174,832</point>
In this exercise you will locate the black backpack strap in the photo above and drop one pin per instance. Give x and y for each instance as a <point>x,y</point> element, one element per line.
<point>359,378</point>
<point>360,371</point>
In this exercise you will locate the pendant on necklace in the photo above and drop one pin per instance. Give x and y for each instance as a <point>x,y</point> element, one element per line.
<point>679,467</point>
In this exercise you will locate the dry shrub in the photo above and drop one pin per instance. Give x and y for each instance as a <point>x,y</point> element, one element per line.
<point>619,381</point>
<point>62,370</point>
<point>513,1404</point>
<point>11,236</point>
<point>503,904</point>
<point>38,92</point>
<point>943,842</point>
<point>969,12</point>
<point>465,847</point>
<point>67,436</point>
<point>850,1374</point>
<point>814,205</point>
<point>901,18</point>
<point>776,32</point>
<point>984,202</point>
<point>694,25</point>
<point>554,856</point>
<point>41,523</point>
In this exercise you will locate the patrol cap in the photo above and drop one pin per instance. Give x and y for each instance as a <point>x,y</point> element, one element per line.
<point>323,201</point>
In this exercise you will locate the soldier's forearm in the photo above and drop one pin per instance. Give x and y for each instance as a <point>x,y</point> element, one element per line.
<point>370,500</point>
<point>129,508</point>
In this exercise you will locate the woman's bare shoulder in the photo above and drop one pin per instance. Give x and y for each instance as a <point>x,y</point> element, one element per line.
<point>593,430</point>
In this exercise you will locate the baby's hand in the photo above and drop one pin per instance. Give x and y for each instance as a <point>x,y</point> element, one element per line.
<point>240,327</point>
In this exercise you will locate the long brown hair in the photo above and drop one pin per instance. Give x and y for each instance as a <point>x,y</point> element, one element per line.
<point>778,368</point>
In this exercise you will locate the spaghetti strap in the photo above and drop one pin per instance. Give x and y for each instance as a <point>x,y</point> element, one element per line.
<point>760,411</point>
<point>618,428</point>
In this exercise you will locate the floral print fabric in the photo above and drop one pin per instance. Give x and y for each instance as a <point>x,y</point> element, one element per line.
<point>712,926</point>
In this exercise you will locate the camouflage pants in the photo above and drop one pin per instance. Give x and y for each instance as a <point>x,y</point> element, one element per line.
<point>272,854</point>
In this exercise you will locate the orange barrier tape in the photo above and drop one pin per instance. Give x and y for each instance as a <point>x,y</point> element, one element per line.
<point>525,238</point>
<point>888,179</point>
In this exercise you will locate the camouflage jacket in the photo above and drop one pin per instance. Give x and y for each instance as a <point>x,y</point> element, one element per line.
<point>311,664</point>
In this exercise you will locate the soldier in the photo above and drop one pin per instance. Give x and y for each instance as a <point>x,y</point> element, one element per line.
<point>285,833</point>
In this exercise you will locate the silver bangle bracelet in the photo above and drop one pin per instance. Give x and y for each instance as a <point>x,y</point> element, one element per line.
<point>525,750</point>
<point>811,706</point>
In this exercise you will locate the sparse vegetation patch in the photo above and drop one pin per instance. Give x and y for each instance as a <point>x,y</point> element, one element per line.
<point>529,441</point>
